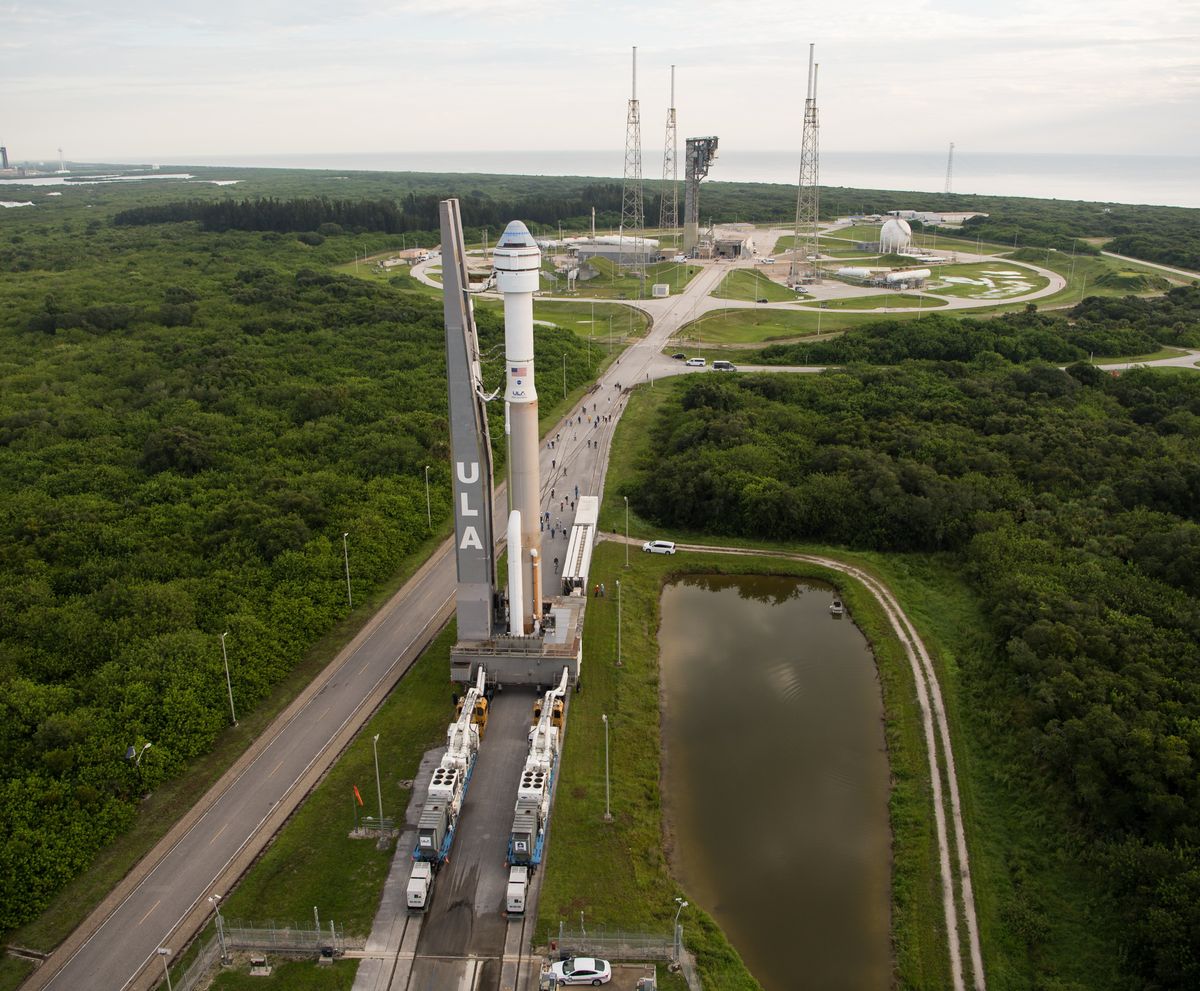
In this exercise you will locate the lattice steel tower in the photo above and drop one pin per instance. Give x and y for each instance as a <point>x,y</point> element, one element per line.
<point>806,243</point>
<point>668,212</point>
<point>632,256</point>
<point>950,167</point>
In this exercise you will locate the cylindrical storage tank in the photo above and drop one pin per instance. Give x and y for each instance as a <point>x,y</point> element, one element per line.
<point>913,276</point>
<point>853,273</point>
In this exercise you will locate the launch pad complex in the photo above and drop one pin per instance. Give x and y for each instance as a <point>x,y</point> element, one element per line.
<point>527,630</point>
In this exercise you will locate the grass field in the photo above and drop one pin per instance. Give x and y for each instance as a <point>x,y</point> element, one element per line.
<point>985,286</point>
<point>890,300</point>
<point>611,284</point>
<point>751,285</point>
<point>761,326</point>
<point>592,319</point>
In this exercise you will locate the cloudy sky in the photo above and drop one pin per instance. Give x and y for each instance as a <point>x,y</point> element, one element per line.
<point>142,80</point>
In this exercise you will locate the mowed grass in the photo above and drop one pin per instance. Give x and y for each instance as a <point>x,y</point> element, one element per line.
<point>890,300</point>
<point>291,975</point>
<point>752,286</point>
<point>763,326</point>
<point>594,320</point>
<point>611,283</point>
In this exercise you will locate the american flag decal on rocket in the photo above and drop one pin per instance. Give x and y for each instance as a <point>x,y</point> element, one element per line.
<point>522,371</point>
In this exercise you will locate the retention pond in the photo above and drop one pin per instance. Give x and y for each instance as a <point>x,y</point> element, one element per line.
<point>776,778</point>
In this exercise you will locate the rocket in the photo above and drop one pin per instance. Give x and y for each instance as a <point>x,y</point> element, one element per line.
<point>518,263</point>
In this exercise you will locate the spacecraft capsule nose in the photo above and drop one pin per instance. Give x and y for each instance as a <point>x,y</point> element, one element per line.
<point>516,235</point>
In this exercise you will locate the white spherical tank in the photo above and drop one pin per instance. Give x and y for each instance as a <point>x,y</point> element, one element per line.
<point>895,235</point>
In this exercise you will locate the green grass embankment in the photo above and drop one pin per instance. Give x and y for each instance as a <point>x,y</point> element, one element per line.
<point>751,285</point>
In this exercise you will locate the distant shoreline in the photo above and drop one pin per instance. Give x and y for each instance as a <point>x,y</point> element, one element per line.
<point>1164,180</point>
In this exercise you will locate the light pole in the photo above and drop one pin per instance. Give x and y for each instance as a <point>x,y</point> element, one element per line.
<point>564,375</point>
<point>216,899</point>
<point>626,498</point>
<point>165,952</point>
<point>378,789</point>
<point>346,556</point>
<point>678,942</point>
<point>607,790</point>
<point>228,683</point>
<point>135,755</point>
<point>428,512</point>
<point>619,661</point>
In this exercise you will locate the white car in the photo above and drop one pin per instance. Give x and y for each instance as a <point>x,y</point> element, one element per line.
<point>659,547</point>
<point>695,362</point>
<point>582,970</point>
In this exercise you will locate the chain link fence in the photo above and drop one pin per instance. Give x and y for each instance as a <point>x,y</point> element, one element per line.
<point>612,944</point>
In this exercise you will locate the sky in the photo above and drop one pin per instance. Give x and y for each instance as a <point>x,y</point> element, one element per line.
<point>134,80</point>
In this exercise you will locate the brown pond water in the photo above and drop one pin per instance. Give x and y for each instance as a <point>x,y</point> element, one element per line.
<point>776,778</point>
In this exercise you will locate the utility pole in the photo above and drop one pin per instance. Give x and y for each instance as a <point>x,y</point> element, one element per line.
<point>346,555</point>
<point>228,683</point>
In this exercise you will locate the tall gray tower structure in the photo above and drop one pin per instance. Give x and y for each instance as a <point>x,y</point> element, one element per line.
<point>470,442</point>
<point>806,242</point>
<point>668,213</point>
<point>632,257</point>
<point>699,155</point>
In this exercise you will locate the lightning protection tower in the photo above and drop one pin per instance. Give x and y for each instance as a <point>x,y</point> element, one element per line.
<point>950,167</point>
<point>668,213</point>
<point>806,243</point>
<point>632,257</point>
<point>699,153</point>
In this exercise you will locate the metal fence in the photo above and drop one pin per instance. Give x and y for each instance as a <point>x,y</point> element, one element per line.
<point>199,968</point>
<point>287,937</point>
<point>612,944</point>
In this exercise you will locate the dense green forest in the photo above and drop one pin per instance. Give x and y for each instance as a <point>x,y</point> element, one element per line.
<point>189,422</point>
<point>1108,326</point>
<point>1071,501</point>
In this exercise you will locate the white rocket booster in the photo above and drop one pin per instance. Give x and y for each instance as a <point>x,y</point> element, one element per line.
<point>518,263</point>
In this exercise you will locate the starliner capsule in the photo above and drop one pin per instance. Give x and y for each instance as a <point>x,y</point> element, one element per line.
<point>518,262</point>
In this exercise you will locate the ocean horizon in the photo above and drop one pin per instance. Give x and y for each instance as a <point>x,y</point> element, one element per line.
<point>1165,180</point>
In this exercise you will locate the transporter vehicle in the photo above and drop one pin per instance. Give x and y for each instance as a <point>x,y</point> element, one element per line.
<point>724,366</point>
<point>659,547</point>
<point>582,970</point>
<point>695,362</point>
<point>447,792</point>
<point>532,813</point>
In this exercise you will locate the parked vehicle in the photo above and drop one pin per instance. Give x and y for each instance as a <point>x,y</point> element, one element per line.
<point>679,356</point>
<point>659,547</point>
<point>696,362</point>
<point>582,970</point>
<point>724,366</point>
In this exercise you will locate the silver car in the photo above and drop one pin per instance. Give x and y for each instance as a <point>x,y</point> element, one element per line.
<point>582,970</point>
<point>659,547</point>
